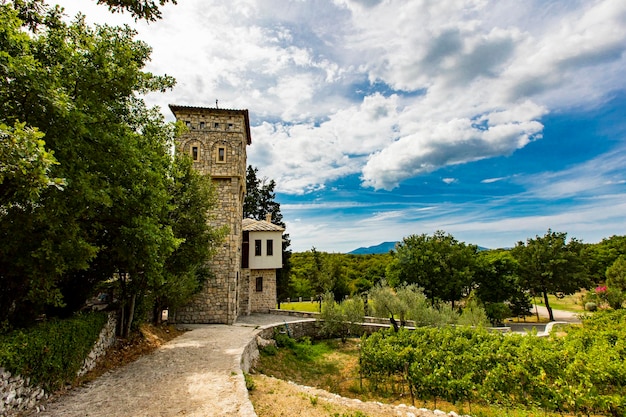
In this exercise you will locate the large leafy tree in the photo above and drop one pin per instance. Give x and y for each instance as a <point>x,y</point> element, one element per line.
<point>601,255</point>
<point>550,264</point>
<point>119,212</point>
<point>496,282</point>
<point>259,201</point>
<point>439,264</point>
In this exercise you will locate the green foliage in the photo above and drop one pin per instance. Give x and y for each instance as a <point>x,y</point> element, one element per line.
<point>549,264</point>
<point>126,209</point>
<point>439,264</point>
<point>140,9</point>
<point>341,319</point>
<point>581,373</point>
<point>473,314</point>
<point>24,167</point>
<point>250,385</point>
<point>52,352</point>
<point>408,302</point>
<point>314,272</point>
<point>498,286</point>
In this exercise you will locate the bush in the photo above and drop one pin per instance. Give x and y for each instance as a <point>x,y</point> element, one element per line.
<point>284,340</point>
<point>51,353</point>
<point>589,306</point>
<point>497,312</point>
<point>343,319</point>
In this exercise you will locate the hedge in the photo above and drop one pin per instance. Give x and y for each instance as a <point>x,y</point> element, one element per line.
<point>52,352</point>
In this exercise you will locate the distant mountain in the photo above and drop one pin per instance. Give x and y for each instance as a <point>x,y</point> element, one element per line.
<point>386,247</point>
<point>380,248</point>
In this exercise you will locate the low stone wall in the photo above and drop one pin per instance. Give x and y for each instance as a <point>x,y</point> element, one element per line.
<point>16,393</point>
<point>370,324</point>
<point>105,341</point>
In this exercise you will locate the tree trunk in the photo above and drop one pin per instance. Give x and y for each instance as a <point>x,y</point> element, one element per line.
<point>131,313</point>
<point>545,300</point>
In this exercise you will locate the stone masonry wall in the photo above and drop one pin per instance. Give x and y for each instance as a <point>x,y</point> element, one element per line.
<point>244,295</point>
<point>263,301</point>
<point>16,393</point>
<point>217,302</point>
<point>209,131</point>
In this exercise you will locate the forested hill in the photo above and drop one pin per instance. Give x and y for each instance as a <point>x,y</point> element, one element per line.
<point>384,247</point>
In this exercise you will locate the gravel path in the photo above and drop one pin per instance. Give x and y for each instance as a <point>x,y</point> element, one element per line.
<point>196,374</point>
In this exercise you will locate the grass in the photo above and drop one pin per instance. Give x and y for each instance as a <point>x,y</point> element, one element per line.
<point>308,306</point>
<point>567,303</point>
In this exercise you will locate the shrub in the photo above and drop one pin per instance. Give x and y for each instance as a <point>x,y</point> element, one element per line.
<point>343,319</point>
<point>51,353</point>
<point>473,314</point>
<point>590,306</point>
<point>497,312</point>
<point>284,340</point>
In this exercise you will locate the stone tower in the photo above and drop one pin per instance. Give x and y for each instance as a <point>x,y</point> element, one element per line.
<point>216,140</point>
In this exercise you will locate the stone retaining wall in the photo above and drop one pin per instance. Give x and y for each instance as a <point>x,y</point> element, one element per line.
<point>105,341</point>
<point>16,393</point>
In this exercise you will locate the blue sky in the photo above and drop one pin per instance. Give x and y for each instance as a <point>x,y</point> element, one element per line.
<point>490,120</point>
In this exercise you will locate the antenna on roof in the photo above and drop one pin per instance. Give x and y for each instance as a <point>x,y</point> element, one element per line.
<point>216,106</point>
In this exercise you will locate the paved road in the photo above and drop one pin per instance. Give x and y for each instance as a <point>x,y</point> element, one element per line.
<point>196,374</point>
<point>559,315</point>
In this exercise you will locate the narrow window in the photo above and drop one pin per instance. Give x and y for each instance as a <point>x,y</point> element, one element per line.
<point>270,247</point>
<point>216,125</point>
<point>202,125</point>
<point>257,247</point>
<point>230,126</point>
<point>259,284</point>
<point>187,123</point>
<point>221,155</point>
<point>194,153</point>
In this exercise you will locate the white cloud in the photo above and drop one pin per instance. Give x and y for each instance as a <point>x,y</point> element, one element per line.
<point>456,81</point>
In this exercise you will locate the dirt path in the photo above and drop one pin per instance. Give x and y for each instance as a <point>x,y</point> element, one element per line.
<point>196,374</point>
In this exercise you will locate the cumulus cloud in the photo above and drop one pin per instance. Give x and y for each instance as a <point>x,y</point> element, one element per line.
<point>386,90</point>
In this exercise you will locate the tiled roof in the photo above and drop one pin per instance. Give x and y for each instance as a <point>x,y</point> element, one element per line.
<point>251,225</point>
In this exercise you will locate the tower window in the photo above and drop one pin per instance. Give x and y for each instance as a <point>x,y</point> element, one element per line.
<point>230,126</point>
<point>187,123</point>
<point>257,247</point>
<point>221,154</point>
<point>202,124</point>
<point>270,247</point>
<point>216,125</point>
<point>259,284</point>
<point>194,153</point>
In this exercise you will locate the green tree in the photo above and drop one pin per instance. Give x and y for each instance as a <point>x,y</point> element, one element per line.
<point>497,285</point>
<point>616,282</point>
<point>439,264</point>
<point>24,167</point>
<point>259,201</point>
<point>341,319</point>
<point>549,265</point>
<point>116,215</point>
<point>602,255</point>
